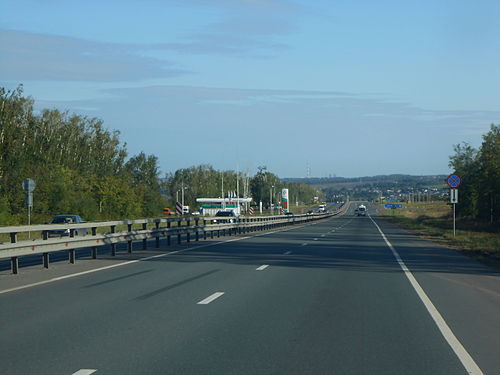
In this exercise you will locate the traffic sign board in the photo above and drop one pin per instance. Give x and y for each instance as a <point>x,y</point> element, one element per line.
<point>28,185</point>
<point>454,181</point>
<point>393,205</point>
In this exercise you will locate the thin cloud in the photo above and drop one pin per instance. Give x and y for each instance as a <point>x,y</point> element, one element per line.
<point>30,56</point>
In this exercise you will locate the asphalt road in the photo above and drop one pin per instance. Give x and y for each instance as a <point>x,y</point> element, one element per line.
<point>327,298</point>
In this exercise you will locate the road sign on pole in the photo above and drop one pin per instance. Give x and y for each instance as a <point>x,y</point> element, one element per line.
<point>28,185</point>
<point>454,181</point>
<point>454,196</point>
<point>454,201</point>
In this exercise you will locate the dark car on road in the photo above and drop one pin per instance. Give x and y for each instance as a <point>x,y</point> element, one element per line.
<point>66,219</point>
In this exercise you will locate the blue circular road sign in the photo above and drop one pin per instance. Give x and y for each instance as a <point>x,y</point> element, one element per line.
<point>454,181</point>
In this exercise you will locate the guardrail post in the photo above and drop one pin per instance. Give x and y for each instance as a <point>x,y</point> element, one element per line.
<point>157,224</point>
<point>168,237</point>
<point>14,265</point>
<point>129,242</point>
<point>94,249</point>
<point>71,256</point>
<point>13,237</point>
<point>179,233</point>
<point>45,260</point>
<point>188,235</point>
<point>113,245</point>
<point>144,240</point>
<point>196,221</point>
<point>45,235</point>
<point>204,231</point>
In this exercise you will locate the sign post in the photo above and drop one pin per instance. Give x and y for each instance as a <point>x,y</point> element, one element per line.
<point>454,181</point>
<point>178,208</point>
<point>28,187</point>
<point>284,198</point>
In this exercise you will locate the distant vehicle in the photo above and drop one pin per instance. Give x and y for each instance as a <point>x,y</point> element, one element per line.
<point>229,217</point>
<point>195,213</point>
<point>288,213</point>
<point>310,212</point>
<point>66,219</point>
<point>185,210</point>
<point>361,210</point>
<point>321,208</point>
<point>167,211</point>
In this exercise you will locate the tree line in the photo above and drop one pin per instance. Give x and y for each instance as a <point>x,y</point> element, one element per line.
<point>80,167</point>
<point>205,181</point>
<point>479,194</point>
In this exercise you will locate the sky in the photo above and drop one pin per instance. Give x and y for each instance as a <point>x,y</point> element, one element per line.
<point>320,87</point>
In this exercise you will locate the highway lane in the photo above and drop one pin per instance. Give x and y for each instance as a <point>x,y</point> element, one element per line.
<point>102,251</point>
<point>332,300</point>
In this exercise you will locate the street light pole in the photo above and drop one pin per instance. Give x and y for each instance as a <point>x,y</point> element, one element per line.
<point>183,196</point>
<point>271,198</point>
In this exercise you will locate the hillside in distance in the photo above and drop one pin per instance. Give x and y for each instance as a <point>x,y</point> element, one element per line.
<point>393,181</point>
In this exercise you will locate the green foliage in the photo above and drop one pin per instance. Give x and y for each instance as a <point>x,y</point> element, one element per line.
<point>205,181</point>
<point>78,165</point>
<point>480,172</point>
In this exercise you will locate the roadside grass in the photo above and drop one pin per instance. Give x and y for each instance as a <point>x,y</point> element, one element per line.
<point>434,221</point>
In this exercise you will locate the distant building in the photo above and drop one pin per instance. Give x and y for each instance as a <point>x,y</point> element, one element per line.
<point>210,206</point>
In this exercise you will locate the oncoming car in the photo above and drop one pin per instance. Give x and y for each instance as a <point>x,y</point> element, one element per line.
<point>229,217</point>
<point>66,219</point>
<point>361,210</point>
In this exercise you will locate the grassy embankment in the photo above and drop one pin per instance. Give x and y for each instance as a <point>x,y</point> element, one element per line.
<point>434,221</point>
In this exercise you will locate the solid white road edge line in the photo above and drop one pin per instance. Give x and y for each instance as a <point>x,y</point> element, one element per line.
<point>209,299</point>
<point>115,265</point>
<point>262,268</point>
<point>84,371</point>
<point>467,361</point>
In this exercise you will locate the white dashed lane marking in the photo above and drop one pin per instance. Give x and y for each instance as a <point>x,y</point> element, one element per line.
<point>262,268</point>
<point>211,298</point>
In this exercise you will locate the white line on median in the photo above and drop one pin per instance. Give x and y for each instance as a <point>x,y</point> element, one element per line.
<point>287,253</point>
<point>84,372</point>
<point>263,267</point>
<point>462,354</point>
<point>209,299</point>
<point>304,244</point>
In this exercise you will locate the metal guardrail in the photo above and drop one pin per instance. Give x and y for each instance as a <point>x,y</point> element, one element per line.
<point>172,227</point>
